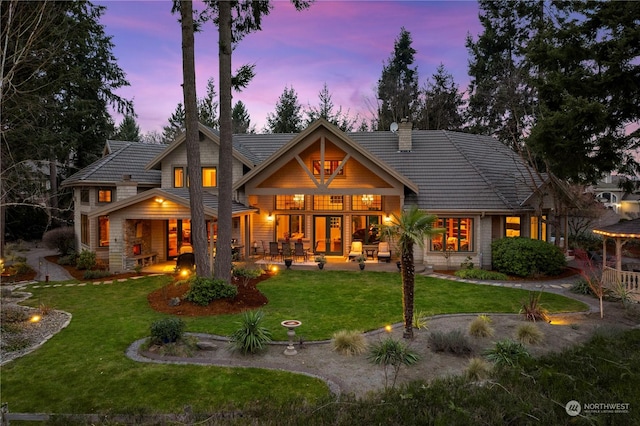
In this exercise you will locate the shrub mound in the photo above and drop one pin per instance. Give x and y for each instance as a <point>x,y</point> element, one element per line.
<point>203,290</point>
<point>525,257</point>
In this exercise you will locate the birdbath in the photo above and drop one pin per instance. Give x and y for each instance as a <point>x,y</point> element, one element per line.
<point>291,326</point>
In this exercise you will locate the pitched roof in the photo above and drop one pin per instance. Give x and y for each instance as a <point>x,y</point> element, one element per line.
<point>124,158</point>
<point>444,170</point>
<point>176,195</point>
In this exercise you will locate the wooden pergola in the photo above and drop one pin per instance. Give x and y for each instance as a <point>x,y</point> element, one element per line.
<point>628,277</point>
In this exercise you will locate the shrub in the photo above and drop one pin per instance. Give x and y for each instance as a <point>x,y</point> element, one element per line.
<point>86,260</point>
<point>166,330</point>
<point>467,264</point>
<point>251,337</point>
<point>21,267</point>
<point>13,314</point>
<point>69,259</point>
<point>586,241</point>
<point>92,275</point>
<point>421,321</point>
<point>507,353</point>
<point>245,274</point>
<point>529,334</point>
<point>480,274</point>
<point>477,369</point>
<point>525,257</point>
<point>480,327</point>
<point>349,342</point>
<point>454,342</point>
<point>582,286</point>
<point>533,310</point>
<point>203,291</point>
<point>392,353</point>
<point>62,239</point>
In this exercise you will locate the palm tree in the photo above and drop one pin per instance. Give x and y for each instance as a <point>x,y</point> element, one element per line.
<point>409,229</point>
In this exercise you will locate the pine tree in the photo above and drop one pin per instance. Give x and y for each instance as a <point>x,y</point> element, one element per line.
<point>127,130</point>
<point>325,110</point>
<point>398,89</point>
<point>287,117</point>
<point>241,119</point>
<point>441,106</point>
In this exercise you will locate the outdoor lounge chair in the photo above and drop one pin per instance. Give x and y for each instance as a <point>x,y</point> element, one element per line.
<point>384,252</point>
<point>356,250</point>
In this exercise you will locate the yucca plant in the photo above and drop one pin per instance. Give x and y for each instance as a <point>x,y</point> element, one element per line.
<point>393,354</point>
<point>421,321</point>
<point>251,337</point>
<point>533,309</point>
<point>349,342</point>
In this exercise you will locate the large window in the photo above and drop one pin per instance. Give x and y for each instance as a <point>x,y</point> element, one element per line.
<point>512,226</point>
<point>209,177</point>
<point>84,229</point>
<point>365,229</point>
<point>539,228</point>
<point>366,202</point>
<point>290,227</point>
<point>330,166</point>
<point>457,237</point>
<point>104,195</point>
<point>328,202</point>
<point>290,202</point>
<point>103,231</point>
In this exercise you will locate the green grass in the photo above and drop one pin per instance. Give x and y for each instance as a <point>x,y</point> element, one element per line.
<point>83,369</point>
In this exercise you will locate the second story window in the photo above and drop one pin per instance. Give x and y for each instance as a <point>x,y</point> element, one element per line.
<point>84,196</point>
<point>329,167</point>
<point>104,195</point>
<point>209,177</point>
<point>179,180</point>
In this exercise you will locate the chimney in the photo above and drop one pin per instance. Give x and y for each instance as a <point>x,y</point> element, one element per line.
<point>404,132</point>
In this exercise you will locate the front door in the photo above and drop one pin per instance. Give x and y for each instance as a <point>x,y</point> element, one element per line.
<point>327,235</point>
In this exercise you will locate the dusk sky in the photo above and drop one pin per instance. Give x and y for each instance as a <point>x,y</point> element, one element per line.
<point>341,43</point>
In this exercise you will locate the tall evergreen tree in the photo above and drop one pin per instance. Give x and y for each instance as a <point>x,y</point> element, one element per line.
<point>325,110</point>
<point>588,82</point>
<point>127,130</point>
<point>207,114</point>
<point>59,78</point>
<point>398,90</point>
<point>441,106</point>
<point>501,99</point>
<point>287,118</point>
<point>241,120</point>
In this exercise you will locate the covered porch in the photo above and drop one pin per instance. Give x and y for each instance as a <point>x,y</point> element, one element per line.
<point>626,273</point>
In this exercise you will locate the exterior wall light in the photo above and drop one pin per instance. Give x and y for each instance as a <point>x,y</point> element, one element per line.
<point>159,200</point>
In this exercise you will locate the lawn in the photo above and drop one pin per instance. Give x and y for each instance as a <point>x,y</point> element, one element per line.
<point>83,369</point>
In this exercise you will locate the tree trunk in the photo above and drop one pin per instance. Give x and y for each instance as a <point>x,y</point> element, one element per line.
<point>408,285</point>
<point>225,171</point>
<point>198,223</point>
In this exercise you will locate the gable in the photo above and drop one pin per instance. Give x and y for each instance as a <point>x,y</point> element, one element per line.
<point>322,159</point>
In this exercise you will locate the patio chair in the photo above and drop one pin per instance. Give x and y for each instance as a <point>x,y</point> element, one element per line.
<point>384,252</point>
<point>356,250</point>
<point>300,252</point>
<point>274,250</point>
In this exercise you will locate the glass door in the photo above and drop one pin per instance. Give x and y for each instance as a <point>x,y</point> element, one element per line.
<point>327,235</point>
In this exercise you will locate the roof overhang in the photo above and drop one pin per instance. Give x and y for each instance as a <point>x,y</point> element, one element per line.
<point>622,229</point>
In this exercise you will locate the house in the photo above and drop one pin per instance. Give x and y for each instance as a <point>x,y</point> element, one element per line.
<point>322,186</point>
<point>609,192</point>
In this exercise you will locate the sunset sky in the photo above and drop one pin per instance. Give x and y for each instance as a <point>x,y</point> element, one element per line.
<point>341,43</point>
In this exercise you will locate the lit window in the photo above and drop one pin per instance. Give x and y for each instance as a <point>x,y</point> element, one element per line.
<point>178,177</point>
<point>103,231</point>
<point>328,202</point>
<point>539,228</point>
<point>512,227</point>
<point>209,177</point>
<point>457,236</point>
<point>330,166</point>
<point>290,202</point>
<point>84,229</point>
<point>104,195</point>
<point>366,202</point>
